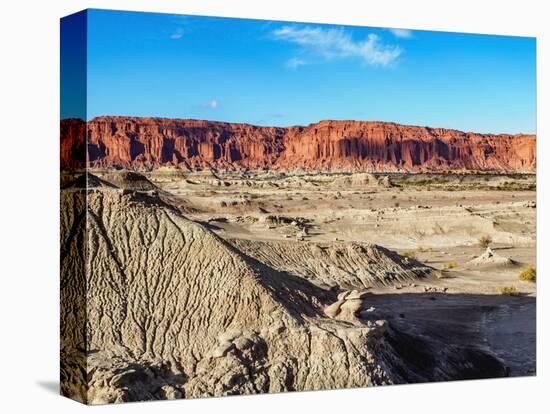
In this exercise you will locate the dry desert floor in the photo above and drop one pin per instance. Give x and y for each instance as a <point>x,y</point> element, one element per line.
<point>432,257</point>
<point>436,219</point>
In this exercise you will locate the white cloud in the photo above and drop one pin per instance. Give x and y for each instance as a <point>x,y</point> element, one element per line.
<point>213,104</point>
<point>178,34</point>
<point>401,33</point>
<point>337,44</point>
<point>295,62</point>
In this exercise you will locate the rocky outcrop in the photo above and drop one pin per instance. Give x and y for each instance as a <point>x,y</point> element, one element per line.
<point>349,265</point>
<point>338,145</point>
<point>72,150</point>
<point>382,146</point>
<point>491,258</point>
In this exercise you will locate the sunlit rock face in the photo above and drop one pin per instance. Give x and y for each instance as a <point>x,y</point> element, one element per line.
<point>336,145</point>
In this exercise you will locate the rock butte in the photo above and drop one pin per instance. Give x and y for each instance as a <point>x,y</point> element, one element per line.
<point>148,143</point>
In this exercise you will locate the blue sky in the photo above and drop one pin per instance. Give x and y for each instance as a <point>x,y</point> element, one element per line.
<point>280,73</point>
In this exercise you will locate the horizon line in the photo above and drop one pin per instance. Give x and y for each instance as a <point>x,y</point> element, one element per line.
<point>301,126</point>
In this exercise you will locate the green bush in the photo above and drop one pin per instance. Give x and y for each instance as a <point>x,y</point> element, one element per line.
<point>529,274</point>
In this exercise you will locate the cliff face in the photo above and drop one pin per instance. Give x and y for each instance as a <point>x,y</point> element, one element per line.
<point>73,143</point>
<point>342,145</point>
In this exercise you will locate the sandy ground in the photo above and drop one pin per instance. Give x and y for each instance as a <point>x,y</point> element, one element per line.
<point>435,219</point>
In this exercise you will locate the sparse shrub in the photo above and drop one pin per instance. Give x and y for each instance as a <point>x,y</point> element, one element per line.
<point>289,198</point>
<point>396,204</point>
<point>409,254</point>
<point>451,265</point>
<point>485,241</point>
<point>254,196</point>
<point>508,291</point>
<point>422,249</point>
<point>529,274</point>
<point>439,274</point>
<point>305,198</point>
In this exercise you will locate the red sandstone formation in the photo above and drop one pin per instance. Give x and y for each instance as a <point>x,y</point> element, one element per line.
<point>73,143</point>
<point>144,143</point>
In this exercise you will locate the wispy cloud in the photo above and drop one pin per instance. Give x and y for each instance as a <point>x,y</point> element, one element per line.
<point>402,33</point>
<point>295,62</point>
<point>178,34</point>
<point>213,104</point>
<point>330,44</point>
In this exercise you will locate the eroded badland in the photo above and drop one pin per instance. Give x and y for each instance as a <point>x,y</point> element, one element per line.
<point>186,282</point>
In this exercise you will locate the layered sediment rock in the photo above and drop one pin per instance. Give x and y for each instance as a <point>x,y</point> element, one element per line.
<point>338,145</point>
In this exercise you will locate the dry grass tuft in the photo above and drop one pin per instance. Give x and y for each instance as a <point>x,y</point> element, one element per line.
<point>409,253</point>
<point>529,274</point>
<point>485,241</point>
<point>508,291</point>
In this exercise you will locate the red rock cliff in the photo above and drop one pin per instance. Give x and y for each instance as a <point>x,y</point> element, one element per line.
<point>344,145</point>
